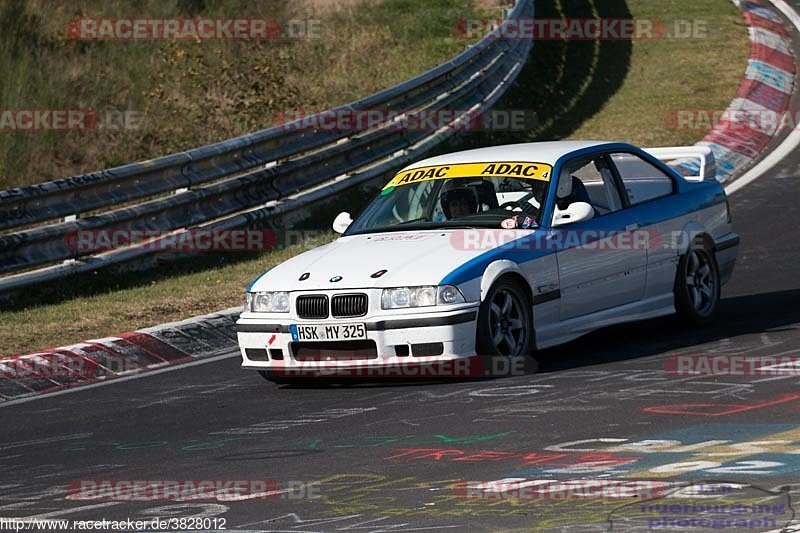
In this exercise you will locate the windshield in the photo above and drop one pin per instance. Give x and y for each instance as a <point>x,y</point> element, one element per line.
<point>485,195</point>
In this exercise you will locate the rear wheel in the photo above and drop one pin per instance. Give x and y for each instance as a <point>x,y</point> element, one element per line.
<point>505,322</point>
<point>697,286</point>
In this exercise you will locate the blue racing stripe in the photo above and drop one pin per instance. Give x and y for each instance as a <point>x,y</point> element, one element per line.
<point>519,251</point>
<point>250,285</point>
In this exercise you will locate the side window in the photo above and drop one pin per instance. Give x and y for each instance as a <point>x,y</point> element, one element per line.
<point>643,181</point>
<point>592,182</point>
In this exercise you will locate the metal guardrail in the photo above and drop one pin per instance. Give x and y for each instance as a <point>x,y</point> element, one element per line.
<point>248,180</point>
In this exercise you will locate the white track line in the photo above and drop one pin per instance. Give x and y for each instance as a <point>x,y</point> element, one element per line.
<point>79,388</point>
<point>790,143</point>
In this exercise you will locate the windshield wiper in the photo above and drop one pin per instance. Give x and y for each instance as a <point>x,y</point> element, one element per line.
<point>413,221</point>
<point>424,224</point>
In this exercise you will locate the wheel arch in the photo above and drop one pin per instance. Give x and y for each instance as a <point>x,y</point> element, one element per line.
<point>501,270</point>
<point>693,232</point>
<point>504,269</point>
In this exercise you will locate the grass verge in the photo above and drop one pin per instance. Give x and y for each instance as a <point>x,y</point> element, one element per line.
<point>184,93</point>
<point>626,90</point>
<point>666,75</point>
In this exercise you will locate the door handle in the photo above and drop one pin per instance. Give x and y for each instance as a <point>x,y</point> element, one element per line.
<point>632,227</point>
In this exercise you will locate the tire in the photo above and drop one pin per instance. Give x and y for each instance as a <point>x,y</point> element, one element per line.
<point>283,380</point>
<point>269,376</point>
<point>697,286</point>
<point>505,322</point>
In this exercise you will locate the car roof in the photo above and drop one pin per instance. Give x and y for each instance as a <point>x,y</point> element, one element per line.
<point>538,152</point>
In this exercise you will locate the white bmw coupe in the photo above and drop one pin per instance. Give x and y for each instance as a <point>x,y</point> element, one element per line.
<point>498,251</point>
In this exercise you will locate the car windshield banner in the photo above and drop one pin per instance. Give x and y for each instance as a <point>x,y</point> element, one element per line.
<point>521,170</point>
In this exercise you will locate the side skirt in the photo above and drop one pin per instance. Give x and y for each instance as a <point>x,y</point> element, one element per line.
<point>548,335</point>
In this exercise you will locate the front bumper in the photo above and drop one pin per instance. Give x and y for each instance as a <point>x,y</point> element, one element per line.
<point>400,339</point>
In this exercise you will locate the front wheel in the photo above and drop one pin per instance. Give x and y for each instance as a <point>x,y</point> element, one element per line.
<point>280,379</point>
<point>270,376</point>
<point>697,286</point>
<point>505,322</point>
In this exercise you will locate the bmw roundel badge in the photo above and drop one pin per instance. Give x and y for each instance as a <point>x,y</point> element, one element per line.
<point>334,279</point>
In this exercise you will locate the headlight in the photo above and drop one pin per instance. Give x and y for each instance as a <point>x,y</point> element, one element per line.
<point>267,302</point>
<point>450,295</point>
<point>426,296</point>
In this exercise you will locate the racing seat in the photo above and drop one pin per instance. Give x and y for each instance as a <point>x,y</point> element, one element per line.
<point>573,190</point>
<point>487,195</point>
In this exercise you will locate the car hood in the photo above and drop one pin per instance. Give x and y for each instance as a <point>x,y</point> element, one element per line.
<point>409,258</point>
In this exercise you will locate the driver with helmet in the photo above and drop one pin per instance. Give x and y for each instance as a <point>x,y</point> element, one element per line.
<point>459,202</point>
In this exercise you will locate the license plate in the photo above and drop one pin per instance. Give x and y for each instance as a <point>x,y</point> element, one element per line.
<point>328,332</point>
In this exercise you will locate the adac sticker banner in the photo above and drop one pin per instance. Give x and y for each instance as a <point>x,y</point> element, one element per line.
<point>510,169</point>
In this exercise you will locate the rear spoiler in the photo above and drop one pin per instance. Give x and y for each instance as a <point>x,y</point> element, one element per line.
<point>696,163</point>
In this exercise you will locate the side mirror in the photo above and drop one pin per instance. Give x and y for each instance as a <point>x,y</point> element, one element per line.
<point>342,222</point>
<point>575,212</point>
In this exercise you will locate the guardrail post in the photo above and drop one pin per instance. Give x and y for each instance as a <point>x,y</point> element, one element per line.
<point>69,218</point>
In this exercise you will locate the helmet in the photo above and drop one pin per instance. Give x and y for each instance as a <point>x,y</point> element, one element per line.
<point>460,195</point>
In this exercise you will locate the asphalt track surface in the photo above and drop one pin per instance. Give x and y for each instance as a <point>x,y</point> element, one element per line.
<point>395,456</point>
